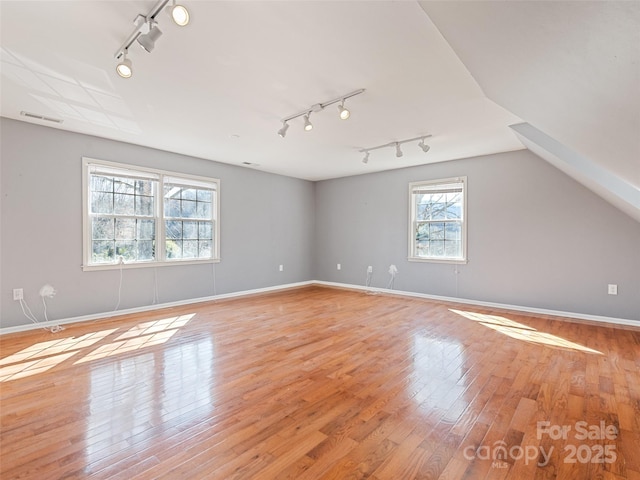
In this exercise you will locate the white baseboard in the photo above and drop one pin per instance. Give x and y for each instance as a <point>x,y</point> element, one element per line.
<point>501,306</point>
<point>147,308</point>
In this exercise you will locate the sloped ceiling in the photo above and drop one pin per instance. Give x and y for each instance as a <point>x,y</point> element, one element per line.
<point>571,71</point>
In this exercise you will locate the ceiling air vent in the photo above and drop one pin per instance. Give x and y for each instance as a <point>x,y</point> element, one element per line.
<point>41,117</point>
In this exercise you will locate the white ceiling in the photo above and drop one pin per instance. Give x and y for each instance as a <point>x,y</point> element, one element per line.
<point>571,70</point>
<point>218,88</point>
<point>461,71</point>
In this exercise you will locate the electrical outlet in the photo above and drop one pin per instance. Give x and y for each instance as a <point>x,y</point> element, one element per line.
<point>612,289</point>
<point>369,269</point>
<point>339,267</point>
<point>281,268</point>
<point>18,294</point>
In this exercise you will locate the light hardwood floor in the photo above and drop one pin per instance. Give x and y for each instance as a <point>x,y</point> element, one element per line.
<point>319,383</point>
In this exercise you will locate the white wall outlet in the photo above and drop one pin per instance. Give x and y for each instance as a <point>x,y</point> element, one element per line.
<point>18,294</point>
<point>281,268</point>
<point>612,289</point>
<point>339,267</point>
<point>369,269</point>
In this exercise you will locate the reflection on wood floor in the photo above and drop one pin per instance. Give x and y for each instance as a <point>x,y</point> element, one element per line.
<point>319,383</point>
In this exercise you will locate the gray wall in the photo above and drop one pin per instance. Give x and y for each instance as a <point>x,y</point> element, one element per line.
<point>266,220</point>
<point>536,238</point>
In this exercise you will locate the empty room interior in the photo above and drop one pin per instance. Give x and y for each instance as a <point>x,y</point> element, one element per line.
<point>320,240</point>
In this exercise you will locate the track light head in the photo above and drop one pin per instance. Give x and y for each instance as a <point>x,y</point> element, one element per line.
<point>283,131</point>
<point>308,126</point>
<point>425,148</point>
<point>124,68</point>
<point>365,160</point>
<point>148,40</point>
<point>344,113</point>
<point>398,151</point>
<point>178,13</point>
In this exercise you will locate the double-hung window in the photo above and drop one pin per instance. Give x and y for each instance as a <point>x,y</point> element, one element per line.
<point>437,223</point>
<point>147,217</point>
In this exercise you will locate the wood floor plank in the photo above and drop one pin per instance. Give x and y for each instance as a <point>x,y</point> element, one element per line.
<point>321,383</point>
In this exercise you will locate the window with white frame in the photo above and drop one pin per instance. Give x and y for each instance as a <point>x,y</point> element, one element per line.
<point>437,224</point>
<point>143,216</point>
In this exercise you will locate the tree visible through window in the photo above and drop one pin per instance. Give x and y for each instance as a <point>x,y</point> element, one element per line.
<point>437,223</point>
<point>122,218</point>
<point>127,209</point>
<point>187,212</point>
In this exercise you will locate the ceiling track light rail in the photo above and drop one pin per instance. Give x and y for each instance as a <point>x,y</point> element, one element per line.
<point>147,32</point>
<point>425,148</point>
<point>343,112</point>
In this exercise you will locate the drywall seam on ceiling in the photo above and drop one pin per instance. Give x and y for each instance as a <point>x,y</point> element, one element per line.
<point>618,192</point>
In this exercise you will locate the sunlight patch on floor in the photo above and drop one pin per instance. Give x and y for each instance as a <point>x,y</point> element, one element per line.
<point>141,336</point>
<point>522,332</point>
<point>43,356</point>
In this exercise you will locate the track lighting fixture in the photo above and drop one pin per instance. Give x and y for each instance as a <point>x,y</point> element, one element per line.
<point>283,131</point>
<point>308,126</point>
<point>344,113</point>
<point>425,148</point>
<point>147,32</point>
<point>398,151</point>
<point>318,107</point>
<point>124,68</point>
<point>178,13</point>
<point>148,40</point>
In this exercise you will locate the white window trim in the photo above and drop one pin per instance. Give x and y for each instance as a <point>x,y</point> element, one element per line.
<point>160,228</point>
<point>411,257</point>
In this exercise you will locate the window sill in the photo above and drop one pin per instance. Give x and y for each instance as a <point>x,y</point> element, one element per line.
<point>460,261</point>
<point>173,263</point>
